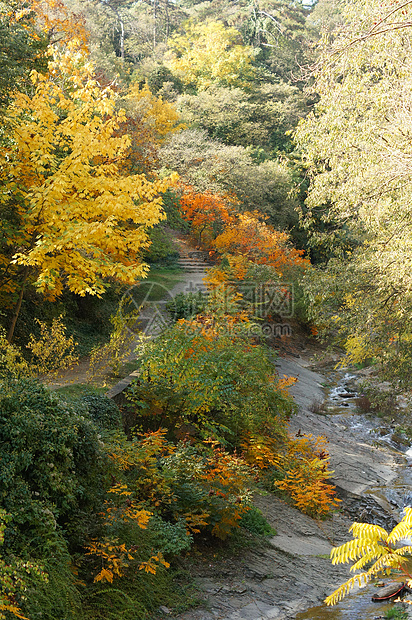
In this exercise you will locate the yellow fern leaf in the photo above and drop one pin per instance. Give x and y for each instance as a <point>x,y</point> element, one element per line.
<point>346,587</point>
<point>368,531</point>
<point>350,550</point>
<point>368,557</point>
<point>402,530</point>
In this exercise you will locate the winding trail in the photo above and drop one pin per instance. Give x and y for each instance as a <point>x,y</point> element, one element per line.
<point>152,316</point>
<point>293,572</point>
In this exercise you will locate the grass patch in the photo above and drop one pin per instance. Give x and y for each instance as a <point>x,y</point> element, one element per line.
<point>396,613</point>
<point>77,390</point>
<point>137,597</point>
<point>156,287</point>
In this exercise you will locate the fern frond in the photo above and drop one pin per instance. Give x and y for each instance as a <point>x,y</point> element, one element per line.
<point>388,561</point>
<point>375,553</point>
<point>352,550</point>
<point>407,518</point>
<point>402,530</point>
<point>404,550</point>
<point>368,531</point>
<point>346,587</point>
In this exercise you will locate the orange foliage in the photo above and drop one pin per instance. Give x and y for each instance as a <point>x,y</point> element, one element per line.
<point>227,475</point>
<point>305,465</point>
<point>61,25</point>
<point>308,488</point>
<point>250,237</point>
<point>207,212</point>
<point>285,382</point>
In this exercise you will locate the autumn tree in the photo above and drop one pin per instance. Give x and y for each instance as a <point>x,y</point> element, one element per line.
<point>80,220</point>
<point>22,46</point>
<point>210,54</point>
<point>356,146</point>
<point>206,211</point>
<point>209,165</point>
<point>251,237</point>
<point>148,120</point>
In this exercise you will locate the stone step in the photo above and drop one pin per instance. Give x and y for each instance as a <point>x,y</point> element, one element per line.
<point>194,269</point>
<point>193,265</point>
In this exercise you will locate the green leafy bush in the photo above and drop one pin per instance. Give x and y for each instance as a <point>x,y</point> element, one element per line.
<point>187,305</point>
<point>52,478</point>
<point>103,411</point>
<point>254,521</point>
<point>162,248</point>
<point>208,383</point>
<point>52,463</point>
<point>188,488</point>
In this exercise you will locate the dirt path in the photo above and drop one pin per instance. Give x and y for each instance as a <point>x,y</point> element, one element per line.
<point>152,317</point>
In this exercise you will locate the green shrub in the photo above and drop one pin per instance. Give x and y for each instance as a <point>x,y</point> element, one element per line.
<point>254,521</point>
<point>58,597</point>
<point>171,206</point>
<point>52,464</point>
<point>208,383</point>
<point>103,411</point>
<point>187,305</point>
<point>188,488</point>
<point>396,613</point>
<point>162,248</point>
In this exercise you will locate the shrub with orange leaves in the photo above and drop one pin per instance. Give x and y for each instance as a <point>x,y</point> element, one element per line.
<point>248,235</point>
<point>304,465</point>
<point>207,213</point>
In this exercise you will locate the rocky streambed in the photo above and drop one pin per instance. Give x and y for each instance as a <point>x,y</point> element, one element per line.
<point>290,577</point>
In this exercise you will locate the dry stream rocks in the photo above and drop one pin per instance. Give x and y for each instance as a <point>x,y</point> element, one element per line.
<point>293,572</point>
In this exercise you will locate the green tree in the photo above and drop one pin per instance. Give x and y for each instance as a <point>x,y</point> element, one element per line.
<point>209,165</point>
<point>209,381</point>
<point>356,147</point>
<point>22,46</point>
<point>259,119</point>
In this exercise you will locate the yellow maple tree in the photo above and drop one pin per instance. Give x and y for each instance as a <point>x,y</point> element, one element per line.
<point>83,219</point>
<point>211,54</point>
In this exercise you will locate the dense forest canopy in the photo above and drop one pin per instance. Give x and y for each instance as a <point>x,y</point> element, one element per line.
<point>356,147</point>
<point>275,136</point>
<point>209,90</point>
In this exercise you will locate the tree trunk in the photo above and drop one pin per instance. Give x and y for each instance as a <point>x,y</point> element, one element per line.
<point>155,23</point>
<point>17,307</point>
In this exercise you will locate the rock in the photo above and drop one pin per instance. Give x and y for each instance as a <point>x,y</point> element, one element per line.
<point>164,610</point>
<point>388,592</point>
